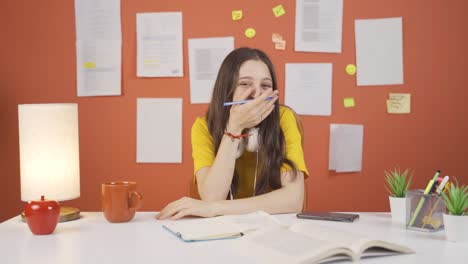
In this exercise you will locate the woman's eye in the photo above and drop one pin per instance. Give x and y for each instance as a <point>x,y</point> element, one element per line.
<point>244,84</point>
<point>266,86</point>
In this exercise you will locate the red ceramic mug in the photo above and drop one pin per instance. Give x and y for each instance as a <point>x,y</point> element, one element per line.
<point>120,200</point>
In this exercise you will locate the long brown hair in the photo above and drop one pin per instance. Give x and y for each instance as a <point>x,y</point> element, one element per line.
<point>270,136</point>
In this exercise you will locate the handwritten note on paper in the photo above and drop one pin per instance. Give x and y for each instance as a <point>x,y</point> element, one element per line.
<point>348,102</point>
<point>275,37</point>
<point>159,130</point>
<point>399,103</point>
<point>280,45</point>
<point>236,15</point>
<point>345,150</point>
<point>318,25</point>
<point>278,10</point>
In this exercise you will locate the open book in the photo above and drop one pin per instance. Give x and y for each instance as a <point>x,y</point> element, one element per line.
<point>220,227</point>
<point>308,242</point>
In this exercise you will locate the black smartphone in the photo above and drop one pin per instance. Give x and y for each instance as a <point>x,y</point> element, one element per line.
<point>328,216</point>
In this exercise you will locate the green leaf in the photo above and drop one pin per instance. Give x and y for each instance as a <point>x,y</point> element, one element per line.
<point>456,200</point>
<point>398,182</point>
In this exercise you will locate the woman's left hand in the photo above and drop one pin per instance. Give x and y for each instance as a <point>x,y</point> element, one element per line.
<point>188,206</point>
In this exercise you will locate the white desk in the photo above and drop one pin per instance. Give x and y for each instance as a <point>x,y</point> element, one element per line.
<point>92,239</point>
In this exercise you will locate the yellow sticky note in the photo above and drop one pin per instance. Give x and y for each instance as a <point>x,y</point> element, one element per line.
<point>278,10</point>
<point>280,45</point>
<point>348,102</point>
<point>90,65</point>
<point>399,103</point>
<point>275,37</point>
<point>351,69</point>
<point>236,14</point>
<point>250,33</point>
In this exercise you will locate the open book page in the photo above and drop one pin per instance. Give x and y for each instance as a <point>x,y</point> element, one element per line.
<point>252,221</point>
<point>308,242</point>
<point>360,246</point>
<point>378,248</point>
<point>280,245</point>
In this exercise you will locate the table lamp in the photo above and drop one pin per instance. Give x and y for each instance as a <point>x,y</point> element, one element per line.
<point>49,154</point>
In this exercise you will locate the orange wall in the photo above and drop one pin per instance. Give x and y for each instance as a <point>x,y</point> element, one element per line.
<point>37,50</point>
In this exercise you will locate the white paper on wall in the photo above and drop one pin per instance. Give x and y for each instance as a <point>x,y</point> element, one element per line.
<point>205,58</point>
<point>159,130</point>
<point>345,149</point>
<point>319,25</point>
<point>379,51</point>
<point>308,88</point>
<point>98,68</point>
<point>159,44</point>
<point>98,47</point>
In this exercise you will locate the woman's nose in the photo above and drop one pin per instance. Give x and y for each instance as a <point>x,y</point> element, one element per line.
<point>256,92</point>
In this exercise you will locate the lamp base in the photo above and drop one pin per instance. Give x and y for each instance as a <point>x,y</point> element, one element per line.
<point>66,214</point>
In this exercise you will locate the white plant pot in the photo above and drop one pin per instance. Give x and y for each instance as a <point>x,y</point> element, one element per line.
<point>399,208</point>
<point>456,227</point>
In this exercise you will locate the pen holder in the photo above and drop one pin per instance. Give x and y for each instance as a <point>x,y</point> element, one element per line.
<point>426,211</point>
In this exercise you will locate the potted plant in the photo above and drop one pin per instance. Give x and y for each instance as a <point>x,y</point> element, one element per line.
<point>398,184</point>
<point>456,222</point>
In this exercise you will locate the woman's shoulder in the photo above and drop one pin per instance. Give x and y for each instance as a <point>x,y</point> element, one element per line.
<point>286,113</point>
<point>200,119</point>
<point>200,123</point>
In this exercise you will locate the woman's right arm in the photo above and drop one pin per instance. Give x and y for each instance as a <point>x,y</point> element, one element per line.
<point>214,182</point>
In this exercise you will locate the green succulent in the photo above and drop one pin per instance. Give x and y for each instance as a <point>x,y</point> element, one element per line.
<point>456,199</point>
<point>397,182</point>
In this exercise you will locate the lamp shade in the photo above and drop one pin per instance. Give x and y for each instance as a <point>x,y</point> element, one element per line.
<point>49,151</point>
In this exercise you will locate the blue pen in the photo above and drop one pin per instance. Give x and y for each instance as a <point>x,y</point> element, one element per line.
<point>243,101</point>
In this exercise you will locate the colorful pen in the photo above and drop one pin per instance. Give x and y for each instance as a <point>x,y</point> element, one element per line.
<point>436,175</point>
<point>243,101</point>
<point>439,190</point>
<point>442,184</point>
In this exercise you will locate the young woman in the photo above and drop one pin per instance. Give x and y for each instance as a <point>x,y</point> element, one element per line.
<point>249,156</point>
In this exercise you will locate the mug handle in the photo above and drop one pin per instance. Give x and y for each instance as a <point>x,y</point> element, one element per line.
<point>135,200</point>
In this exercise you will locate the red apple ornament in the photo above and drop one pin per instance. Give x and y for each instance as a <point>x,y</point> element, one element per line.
<point>42,216</point>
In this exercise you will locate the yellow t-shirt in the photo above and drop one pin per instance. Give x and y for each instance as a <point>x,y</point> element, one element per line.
<point>203,151</point>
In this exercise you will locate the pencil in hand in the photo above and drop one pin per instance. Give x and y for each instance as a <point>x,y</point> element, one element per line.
<point>243,101</point>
